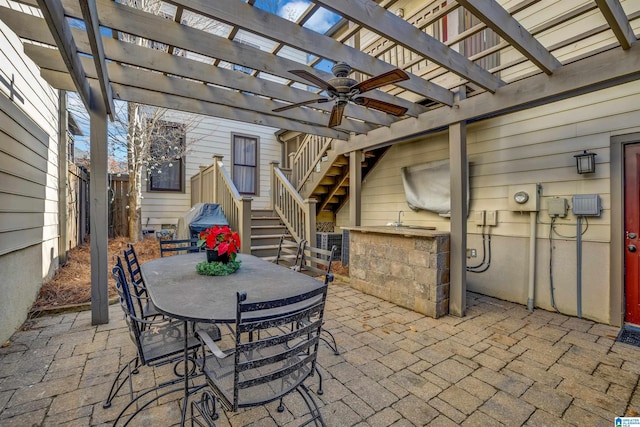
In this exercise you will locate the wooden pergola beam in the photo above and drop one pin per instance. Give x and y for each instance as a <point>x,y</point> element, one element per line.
<point>61,80</point>
<point>583,76</point>
<point>284,31</point>
<point>53,14</point>
<point>136,77</point>
<point>90,15</point>
<point>502,23</point>
<point>143,24</point>
<point>377,19</point>
<point>617,20</point>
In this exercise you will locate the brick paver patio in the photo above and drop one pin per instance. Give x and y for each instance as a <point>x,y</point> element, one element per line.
<point>499,365</point>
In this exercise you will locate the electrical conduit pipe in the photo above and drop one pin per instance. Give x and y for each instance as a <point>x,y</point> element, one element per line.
<point>533,228</point>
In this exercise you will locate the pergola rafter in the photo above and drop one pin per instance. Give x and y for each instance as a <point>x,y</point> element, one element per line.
<point>432,85</point>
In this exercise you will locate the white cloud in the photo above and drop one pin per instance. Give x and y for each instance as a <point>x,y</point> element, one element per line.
<point>293,9</point>
<point>320,21</point>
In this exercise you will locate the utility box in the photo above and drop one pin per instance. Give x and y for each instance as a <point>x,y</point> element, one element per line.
<point>586,205</point>
<point>558,207</point>
<point>524,198</point>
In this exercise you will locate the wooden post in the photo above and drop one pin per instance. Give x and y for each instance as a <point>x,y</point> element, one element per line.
<point>355,188</point>
<point>310,221</point>
<point>245,224</point>
<point>273,166</point>
<point>216,158</point>
<point>458,235</point>
<point>98,210</point>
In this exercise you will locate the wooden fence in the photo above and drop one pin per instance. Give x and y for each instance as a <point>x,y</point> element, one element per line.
<point>118,201</point>
<point>77,206</point>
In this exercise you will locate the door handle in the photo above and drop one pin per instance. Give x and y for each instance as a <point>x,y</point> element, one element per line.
<point>631,235</point>
<point>631,248</point>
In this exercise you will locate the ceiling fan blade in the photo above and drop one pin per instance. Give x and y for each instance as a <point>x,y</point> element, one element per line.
<point>300,104</point>
<point>336,114</point>
<point>383,79</point>
<point>376,104</point>
<point>317,81</point>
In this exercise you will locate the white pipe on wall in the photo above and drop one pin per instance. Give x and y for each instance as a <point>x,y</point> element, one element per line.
<point>532,258</point>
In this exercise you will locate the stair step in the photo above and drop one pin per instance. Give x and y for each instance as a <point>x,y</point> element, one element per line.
<point>267,236</point>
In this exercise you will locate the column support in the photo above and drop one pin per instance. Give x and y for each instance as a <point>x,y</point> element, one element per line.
<point>99,219</point>
<point>458,234</point>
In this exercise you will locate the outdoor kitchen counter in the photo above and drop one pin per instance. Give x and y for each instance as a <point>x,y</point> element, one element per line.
<point>406,266</point>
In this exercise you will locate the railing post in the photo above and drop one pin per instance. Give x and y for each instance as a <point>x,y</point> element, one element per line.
<point>244,218</point>
<point>272,188</point>
<point>310,221</point>
<point>294,175</point>
<point>200,185</point>
<point>216,158</point>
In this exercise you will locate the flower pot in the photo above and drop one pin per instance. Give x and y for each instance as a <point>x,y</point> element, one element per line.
<point>212,256</point>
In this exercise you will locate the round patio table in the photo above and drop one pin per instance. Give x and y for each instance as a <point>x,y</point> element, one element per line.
<point>179,292</point>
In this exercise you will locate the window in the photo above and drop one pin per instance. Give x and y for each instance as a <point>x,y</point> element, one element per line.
<point>244,156</point>
<point>166,171</point>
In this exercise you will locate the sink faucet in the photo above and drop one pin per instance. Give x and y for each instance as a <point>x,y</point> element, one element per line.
<point>399,223</point>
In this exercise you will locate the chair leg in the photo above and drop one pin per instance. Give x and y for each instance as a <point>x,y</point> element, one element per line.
<point>314,410</point>
<point>206,407</point>
<point>332,345</point>
<point>320,391</point>
<point>115,386</point>
<point>281,405</point>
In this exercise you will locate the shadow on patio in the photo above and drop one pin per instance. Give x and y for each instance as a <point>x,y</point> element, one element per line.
<point>499,365</point>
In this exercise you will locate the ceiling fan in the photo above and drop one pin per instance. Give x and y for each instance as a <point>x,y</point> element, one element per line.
<point>343,90</point>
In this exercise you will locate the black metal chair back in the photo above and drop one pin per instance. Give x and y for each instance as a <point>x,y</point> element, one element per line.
<point>270,358</point>
<point>133,267</point>
<point>289,252</point>
<point>180,245</point>
<point>317,262</point>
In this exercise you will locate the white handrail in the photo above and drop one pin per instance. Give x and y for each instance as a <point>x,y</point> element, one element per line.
<point>297,214</point>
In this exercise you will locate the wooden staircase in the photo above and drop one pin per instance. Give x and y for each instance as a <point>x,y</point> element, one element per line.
<point>329,184</point>
<point>266,229</point>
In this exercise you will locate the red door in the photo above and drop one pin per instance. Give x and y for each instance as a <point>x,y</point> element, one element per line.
<point>632,232</point>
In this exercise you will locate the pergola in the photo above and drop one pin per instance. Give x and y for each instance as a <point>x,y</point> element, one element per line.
<point>189,68</point>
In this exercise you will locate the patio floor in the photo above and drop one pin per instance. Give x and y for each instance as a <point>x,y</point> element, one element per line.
<point>499,365</point>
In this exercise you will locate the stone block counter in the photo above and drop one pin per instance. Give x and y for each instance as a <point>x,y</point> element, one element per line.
<point>406,266</point>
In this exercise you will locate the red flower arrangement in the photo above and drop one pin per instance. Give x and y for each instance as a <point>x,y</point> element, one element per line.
<point>221,239</point>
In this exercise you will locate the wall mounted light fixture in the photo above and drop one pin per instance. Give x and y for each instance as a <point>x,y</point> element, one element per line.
<point>586,162</point>
<point>400,12</point>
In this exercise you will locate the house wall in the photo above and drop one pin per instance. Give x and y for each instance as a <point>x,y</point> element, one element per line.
<point>28,182</point>
<point>527,147</point>
<point>206,137</point>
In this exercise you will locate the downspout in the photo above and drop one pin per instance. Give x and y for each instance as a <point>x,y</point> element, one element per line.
<point>532,258</point>
<point>278,134</point>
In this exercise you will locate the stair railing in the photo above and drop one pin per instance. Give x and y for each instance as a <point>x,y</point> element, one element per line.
<point>309,154</point>
<point>297,214</point>
<point>213,184</point>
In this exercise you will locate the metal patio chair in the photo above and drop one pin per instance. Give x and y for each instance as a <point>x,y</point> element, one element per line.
<point>289,252</point>
<point>261,370</point>
<point>180,245</point>
<point>158,342</point>
<point>317,262</point>
<point>147,309</point>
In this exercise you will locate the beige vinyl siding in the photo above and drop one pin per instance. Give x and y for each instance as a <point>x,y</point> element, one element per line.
<point>212,136</point>
<point>28,181</point>
<point>528,147</point>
